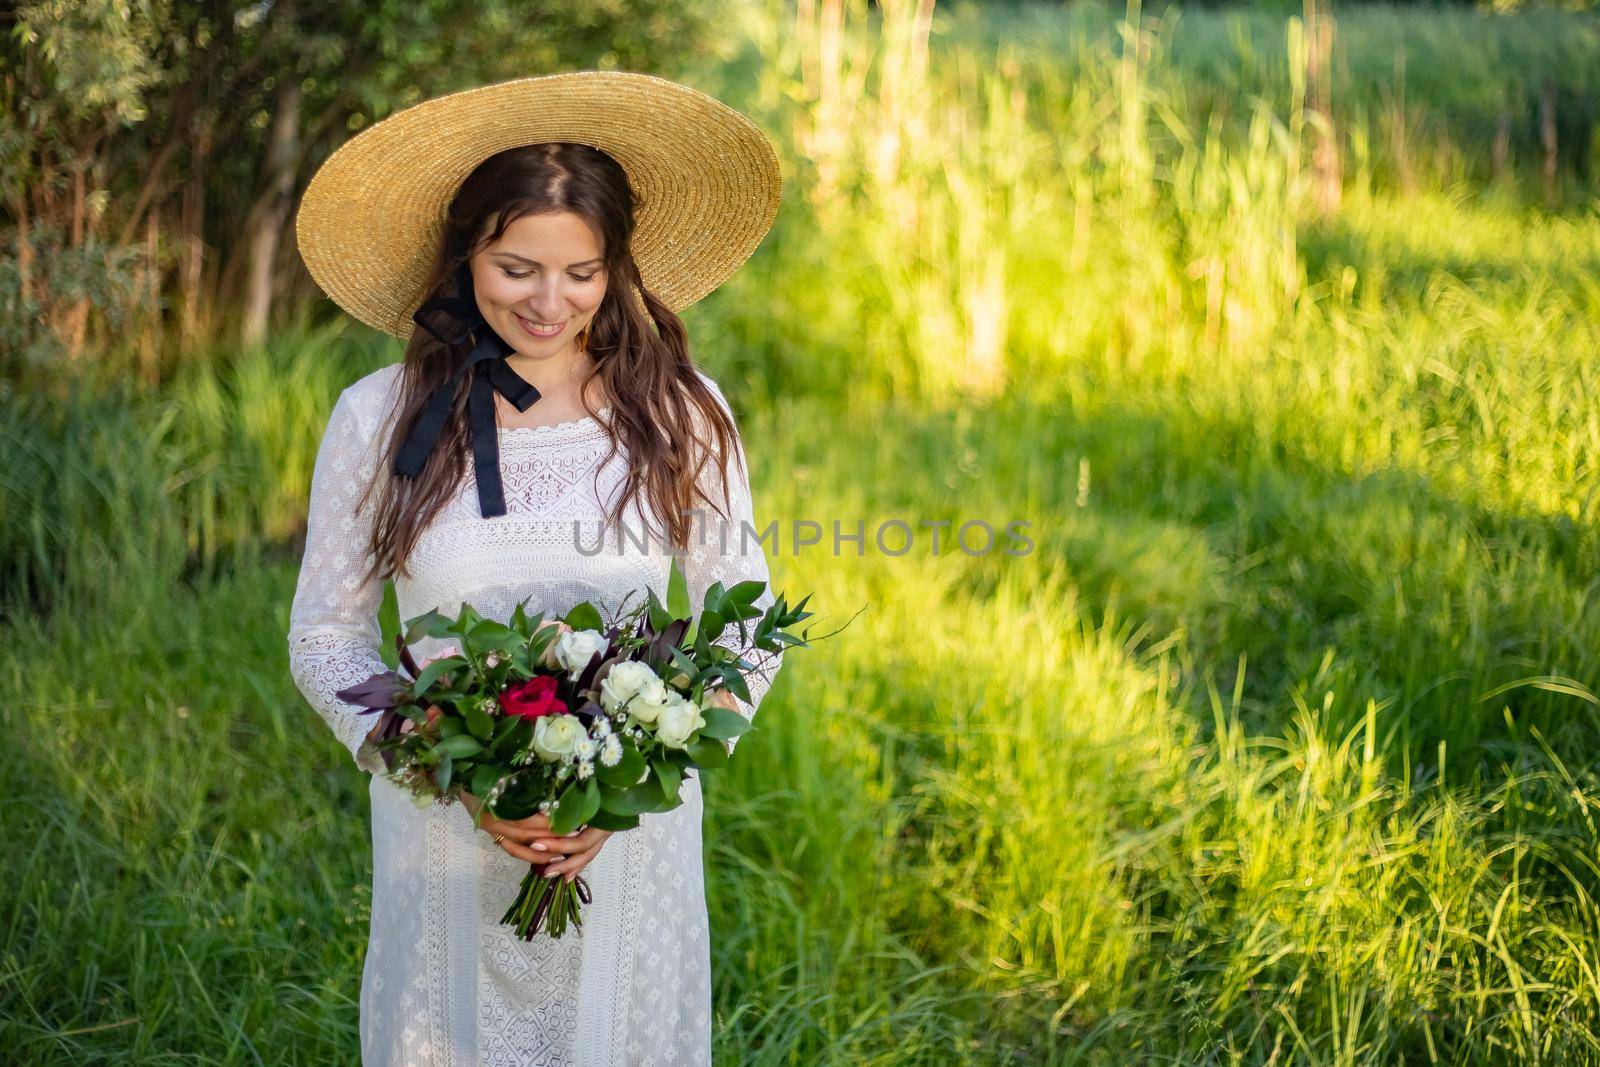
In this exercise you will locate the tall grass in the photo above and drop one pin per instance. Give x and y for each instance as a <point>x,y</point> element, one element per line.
<point>1275,747</point>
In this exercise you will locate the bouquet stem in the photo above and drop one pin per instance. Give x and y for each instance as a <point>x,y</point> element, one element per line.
<point>546,903</point>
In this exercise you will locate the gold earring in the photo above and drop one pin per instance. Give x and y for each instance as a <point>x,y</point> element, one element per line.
<point>583,339</point>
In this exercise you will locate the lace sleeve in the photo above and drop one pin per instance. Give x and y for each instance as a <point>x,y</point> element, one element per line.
<point>334,638</point>
<point>728,551</point>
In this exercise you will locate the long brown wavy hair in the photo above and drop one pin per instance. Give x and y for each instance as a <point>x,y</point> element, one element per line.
<point>641,356</point>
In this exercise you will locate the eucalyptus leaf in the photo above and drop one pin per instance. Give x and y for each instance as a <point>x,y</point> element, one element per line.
<point>460,746</point>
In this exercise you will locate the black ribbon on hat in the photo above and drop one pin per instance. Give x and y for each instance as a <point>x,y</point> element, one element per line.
<point>455,320</point>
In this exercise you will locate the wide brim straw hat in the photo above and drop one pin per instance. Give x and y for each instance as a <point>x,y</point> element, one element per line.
<point>705,178</point>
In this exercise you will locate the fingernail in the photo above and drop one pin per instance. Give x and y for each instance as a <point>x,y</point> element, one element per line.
<point>541,846</point>
<point>551,874</point>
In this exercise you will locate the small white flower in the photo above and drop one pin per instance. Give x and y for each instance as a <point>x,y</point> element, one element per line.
<point>585,769</point>
<point>492,660</point>
<point>611,752</point>
<point>602,727</point>
<point>584,749</point>
<point>545,806</point>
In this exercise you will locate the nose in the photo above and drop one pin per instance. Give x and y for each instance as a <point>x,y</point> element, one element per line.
<point>546,301</point>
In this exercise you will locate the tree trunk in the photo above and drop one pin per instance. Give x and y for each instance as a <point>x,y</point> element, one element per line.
<point>1547,137</point>
<point>266,228</point>
<point>1326,169</point>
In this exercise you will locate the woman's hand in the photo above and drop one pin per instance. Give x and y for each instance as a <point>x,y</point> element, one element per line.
<point>530,840</point>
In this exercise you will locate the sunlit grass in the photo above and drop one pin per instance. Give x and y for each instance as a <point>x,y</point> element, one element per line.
<point>1275,746</point>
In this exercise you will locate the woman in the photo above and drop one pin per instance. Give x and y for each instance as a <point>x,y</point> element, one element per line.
<point>501,224</point>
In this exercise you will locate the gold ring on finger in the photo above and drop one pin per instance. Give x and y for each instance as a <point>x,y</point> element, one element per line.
<point>499,838</point>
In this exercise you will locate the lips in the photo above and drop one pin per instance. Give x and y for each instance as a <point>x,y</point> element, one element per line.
<point>535,331</point>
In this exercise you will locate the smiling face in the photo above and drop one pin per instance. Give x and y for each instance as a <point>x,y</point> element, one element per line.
<point>541,283</point>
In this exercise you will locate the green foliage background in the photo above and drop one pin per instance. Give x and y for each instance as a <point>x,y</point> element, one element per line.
<point>1276,747</point>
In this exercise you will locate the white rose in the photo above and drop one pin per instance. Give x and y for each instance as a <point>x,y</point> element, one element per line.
<point>575,648</point>
<point>556,737</point>
<point>623,681</point>
<point>678,721</point>
<point>647,707</point>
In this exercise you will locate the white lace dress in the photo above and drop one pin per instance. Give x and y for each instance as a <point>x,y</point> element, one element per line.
<point>445,985</point>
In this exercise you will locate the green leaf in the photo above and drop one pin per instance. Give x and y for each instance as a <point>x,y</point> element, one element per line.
<point>432,671</point>
<point>514,738</point>
<point>677,592</point>
<point>576,804</point>
<point>735,683</point>
<point>708,752</point>
<point>711,625</point>
<point>745,593</point>
<point>585,617</point>
<point>723,724</point>
<point>626,771</point>
<point>464,622</point>
<point>460,746</point>
<point>478,721</point>
<point>489,635</point>
<point>428,624</point>
<point>483,780</point>
<point>441,774</point>
<point>659,617</point>
<point>670,776</point>
<point>633,800</point>
<point>604,820</point>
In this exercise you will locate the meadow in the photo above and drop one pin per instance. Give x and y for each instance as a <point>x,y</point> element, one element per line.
<point>1276,746</point>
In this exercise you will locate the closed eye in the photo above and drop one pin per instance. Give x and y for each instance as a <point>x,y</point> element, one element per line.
<point>524,273</point>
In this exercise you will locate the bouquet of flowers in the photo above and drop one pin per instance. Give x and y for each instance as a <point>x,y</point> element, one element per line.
<point>592,725</point>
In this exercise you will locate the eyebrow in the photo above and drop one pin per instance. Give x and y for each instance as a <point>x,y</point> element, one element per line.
<point>536,263</point>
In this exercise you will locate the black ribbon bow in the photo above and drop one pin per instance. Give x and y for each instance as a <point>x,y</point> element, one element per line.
<point>454,320</point>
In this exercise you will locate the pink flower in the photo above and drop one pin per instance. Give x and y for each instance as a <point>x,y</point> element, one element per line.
<point>448,650</point>
<point>532,699</point>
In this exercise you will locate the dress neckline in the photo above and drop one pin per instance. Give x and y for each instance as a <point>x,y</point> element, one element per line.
<point>582,424</point>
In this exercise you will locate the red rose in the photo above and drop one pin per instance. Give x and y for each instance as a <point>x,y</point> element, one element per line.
<point>532,699</point>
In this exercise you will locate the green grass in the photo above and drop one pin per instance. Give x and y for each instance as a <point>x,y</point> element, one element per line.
<point>1277,747</point>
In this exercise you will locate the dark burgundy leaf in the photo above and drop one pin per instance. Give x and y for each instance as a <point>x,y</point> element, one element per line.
<point>383,690</point>
<point>405,655</point>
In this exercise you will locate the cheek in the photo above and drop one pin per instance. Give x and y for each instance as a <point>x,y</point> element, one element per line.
<point>496,288</point>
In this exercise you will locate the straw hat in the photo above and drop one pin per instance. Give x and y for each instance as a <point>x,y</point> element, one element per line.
<point>705,177</point>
